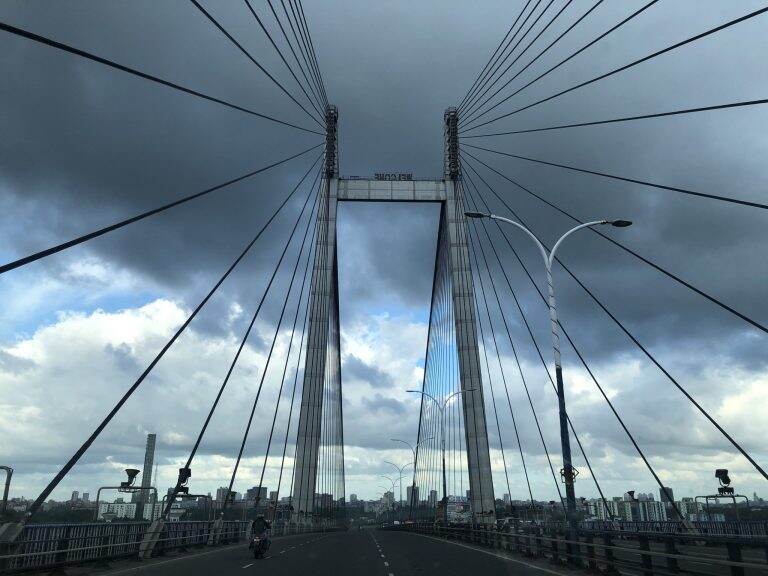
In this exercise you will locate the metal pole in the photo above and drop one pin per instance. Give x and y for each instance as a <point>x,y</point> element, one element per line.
<point>568,471</point>
<point>442,446</point>
<point>565,439</point>
<point>8,474</point>
<point>441,407</point>
<point>413,483</point>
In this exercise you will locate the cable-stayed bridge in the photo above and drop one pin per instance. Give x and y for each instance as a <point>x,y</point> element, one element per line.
<point>452,519</point>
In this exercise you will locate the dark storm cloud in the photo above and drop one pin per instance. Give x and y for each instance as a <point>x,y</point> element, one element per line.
<point>356,369</point>
<point>379,403</point>
<point>85,146</point>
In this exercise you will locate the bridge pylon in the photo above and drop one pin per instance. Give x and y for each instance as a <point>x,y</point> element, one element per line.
<point>322,371</point>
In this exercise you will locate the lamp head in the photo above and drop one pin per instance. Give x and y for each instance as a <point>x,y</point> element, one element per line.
<point>722,475</point>
<point>131,473</point>
<point>184,475</point>
<point>620,223</point>
<point>476,215</point>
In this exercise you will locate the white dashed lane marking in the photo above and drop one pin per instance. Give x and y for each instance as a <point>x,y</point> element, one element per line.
<point>378,549</point>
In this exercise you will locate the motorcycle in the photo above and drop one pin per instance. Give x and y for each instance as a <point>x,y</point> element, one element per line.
<point>260,545</point>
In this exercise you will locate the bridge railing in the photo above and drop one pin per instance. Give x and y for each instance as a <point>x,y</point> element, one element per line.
<point>742,528</point>
<point>623,552</point>
<point>51,545</point>
<point>44,546</point>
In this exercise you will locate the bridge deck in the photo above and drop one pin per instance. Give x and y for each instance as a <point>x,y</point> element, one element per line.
<point>391,190</point>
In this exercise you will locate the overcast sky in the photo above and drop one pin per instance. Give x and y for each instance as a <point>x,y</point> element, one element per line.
<point>84,145</point>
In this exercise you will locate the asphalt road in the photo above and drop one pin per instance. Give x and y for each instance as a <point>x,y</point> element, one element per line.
<point>354,553</point>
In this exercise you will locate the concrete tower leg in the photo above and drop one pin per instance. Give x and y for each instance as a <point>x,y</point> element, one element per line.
<point>476,432</point>
<point>322,294</point>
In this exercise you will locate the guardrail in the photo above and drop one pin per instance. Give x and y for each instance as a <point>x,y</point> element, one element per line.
<point>614,553</point>
<point>741,528</point>
<point>45,546</point>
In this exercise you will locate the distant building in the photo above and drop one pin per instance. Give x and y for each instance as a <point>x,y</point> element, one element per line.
<point>119,508</point>
<point>353,498</point>
<point>75,496</point>
<point>652,511</point>
<point>142,496</point>
<point>273,496</point>
<point>256,493</point>
<point>86,497</point>
<point>222,493</point>
<point>666,495</point>
<point>412,495</point>
<point>507,499</point>
<point>689,508</point>
<point>432,501</point>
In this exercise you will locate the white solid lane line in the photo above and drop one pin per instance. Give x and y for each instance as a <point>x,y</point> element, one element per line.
<point>500,556</point>
<point>248,565</point>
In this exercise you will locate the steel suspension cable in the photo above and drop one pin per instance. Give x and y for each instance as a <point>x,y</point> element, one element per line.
<point>248,55</point>
<point>533,339</point>
<point>293,397</point>
<point>525,387</point>
<point>274,338</point>
<point>111,63</point>
<point>282,57</point>
<point>466,273</point>
<point>310,85</point>
<point>307,272</point>
<point>298,35</point>
<point>500,63</point>
<point>490,384</point>
<point>729,105</point>
<point>491,62</point>
<point>108,418</point>
<point>600,388</point>
<point>624,179</point>
<point>232,364</point>
<point>311,47</point>
<point>417,474</point>
<point>471,109</point>
<point>632,64</point>
<point>567,59</point>
<point>111,228</point>
<point>321,262</point>
<point>531,62</point>
<point>301,47</point>
<point>634,340</point>
<point>664,271</point>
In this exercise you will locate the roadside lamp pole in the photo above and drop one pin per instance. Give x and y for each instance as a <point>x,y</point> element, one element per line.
<point>568,472</point>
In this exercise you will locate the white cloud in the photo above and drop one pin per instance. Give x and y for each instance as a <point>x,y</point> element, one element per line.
<point>61,380</point>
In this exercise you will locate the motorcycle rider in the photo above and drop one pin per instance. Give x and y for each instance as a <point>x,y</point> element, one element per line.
<point>260,529</point>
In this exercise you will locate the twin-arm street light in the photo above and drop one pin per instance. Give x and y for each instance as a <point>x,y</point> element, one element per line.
<point>568,471</point>
<point>441,406</point>
<point>400,470</point>
<point>413,451</point>
<point>393,491</point>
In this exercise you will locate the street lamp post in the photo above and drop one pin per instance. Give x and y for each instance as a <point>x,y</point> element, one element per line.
<point>400,470</point>
<point>393,492</point>
<point>568,471</point>
<point>441,408</point>
<point>413,484</point>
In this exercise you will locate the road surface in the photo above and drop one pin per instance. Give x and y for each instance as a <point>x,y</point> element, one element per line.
<point>353,553</point>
